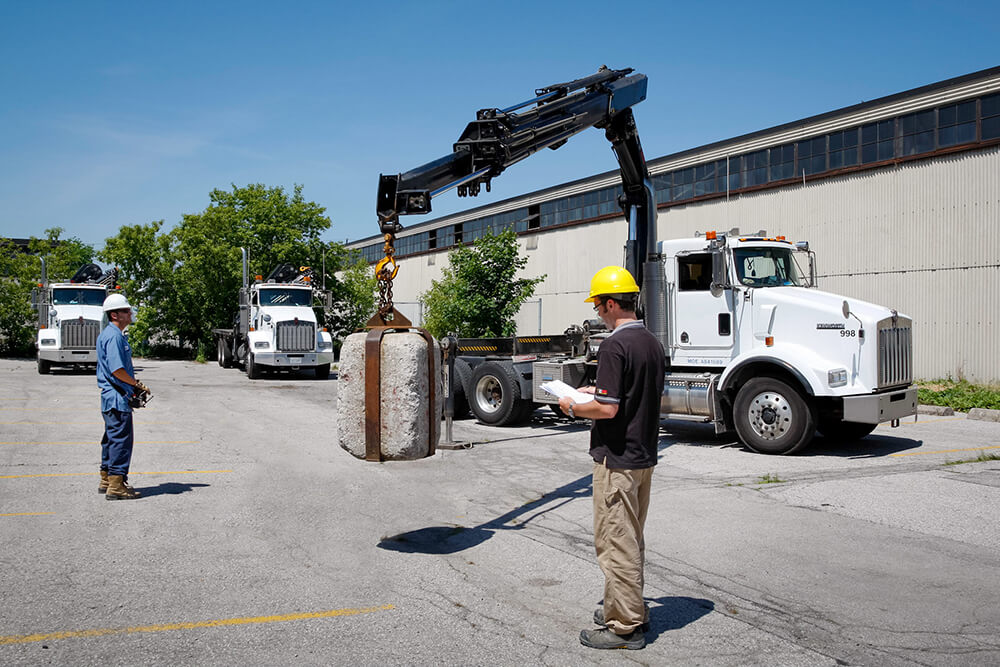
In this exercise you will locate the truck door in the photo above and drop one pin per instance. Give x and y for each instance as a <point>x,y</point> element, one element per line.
<point>701,321</point>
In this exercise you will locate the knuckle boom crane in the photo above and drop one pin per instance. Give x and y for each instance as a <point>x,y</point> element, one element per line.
<point>499,138</point>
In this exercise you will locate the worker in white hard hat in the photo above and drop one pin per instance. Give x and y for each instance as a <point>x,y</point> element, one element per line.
<point>623,444</point>
<point>117,381</point>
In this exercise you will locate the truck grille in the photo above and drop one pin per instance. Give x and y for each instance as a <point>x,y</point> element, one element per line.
<point>296,336</point>
<point>80,334</point>
<point>895,352</point>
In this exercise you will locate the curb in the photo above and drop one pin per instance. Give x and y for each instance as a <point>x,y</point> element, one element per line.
<point>984,414</point>
<point>937,410</point>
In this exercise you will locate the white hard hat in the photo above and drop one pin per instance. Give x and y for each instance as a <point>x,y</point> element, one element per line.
<point>116,302</point>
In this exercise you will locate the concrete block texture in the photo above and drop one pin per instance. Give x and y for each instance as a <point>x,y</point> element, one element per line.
<point>984,414</point>
<point>405,384</point>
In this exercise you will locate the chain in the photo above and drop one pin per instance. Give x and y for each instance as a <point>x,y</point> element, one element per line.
<point>385,271</point>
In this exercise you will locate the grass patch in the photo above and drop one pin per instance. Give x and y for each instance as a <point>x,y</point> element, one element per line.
<point>983,457</point>
<point>958,394</point>
<point>769,479</point>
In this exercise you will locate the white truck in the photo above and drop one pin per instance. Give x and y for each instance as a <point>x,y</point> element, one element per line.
<point>276,327</point>
<point>71,316</point>
<point>753,347</point>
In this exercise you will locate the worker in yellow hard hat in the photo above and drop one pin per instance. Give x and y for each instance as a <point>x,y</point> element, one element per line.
<point>623,443</point>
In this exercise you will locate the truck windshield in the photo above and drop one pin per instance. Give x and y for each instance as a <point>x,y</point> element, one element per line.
<point>767,267</point>
<point>78,297</point>
<point>285,297</point>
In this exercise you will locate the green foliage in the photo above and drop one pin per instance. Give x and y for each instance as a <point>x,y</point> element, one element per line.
<point>354,301</point>
<point>20,272</point>
<point>982,457</point>
<point>478,294</point>
<point>959,395</point>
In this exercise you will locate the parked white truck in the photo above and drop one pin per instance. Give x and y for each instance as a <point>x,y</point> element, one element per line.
<point>70,316</point>
<point>753,347</point>
<point>276,327</point>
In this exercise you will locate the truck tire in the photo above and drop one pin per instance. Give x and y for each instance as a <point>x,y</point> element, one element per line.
<point>44,366</point>
<point>772,417</point>
<point>463,376</point>
<point>225,356</point>
<point>842,431</point>
<point>253,370</point>
<point>495,396</point>
<point>323,372</point>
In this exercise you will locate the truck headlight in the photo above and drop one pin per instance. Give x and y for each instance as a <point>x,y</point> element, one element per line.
<point>48,341</point>
<point>837,378</point>
<point>260,345</point>
<point>324,345</point>
<point>267,317</point>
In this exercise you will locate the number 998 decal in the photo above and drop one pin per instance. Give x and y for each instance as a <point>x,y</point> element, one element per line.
<point>848,333</point>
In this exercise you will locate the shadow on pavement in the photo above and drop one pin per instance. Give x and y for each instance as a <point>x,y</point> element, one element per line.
<point>674,612</point>
<point>692,434</point>
<point>452,539</point>
<point>167,489</point>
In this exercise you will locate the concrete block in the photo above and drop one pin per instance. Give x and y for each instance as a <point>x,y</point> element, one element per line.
<point>983,414</point>
<point>937,410</point>
<point>405,386</point>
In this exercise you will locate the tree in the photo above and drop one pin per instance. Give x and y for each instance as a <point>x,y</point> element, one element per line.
<point>354,298</point>
<point>186,281</point>
<point>478,294</point>
<point>20,272</point>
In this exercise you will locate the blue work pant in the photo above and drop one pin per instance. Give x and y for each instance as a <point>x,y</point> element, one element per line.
<point>116,445</point>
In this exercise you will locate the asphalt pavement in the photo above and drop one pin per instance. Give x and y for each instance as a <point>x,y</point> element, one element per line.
<point>258,541</point>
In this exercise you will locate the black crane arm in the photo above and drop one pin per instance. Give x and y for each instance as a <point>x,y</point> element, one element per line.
<point>499,138</point>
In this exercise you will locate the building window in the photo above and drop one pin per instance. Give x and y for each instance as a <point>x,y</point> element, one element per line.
<point>812,155</point>
<point>782,161</point>
<point>704,178</point>
<point>844,148</point>
<point>877,141</point>
<point>991,117</point>
<point>957,124</point>
<point>917,132</point>
<point>733,173</point>
<point>755,168</point>
<point>683,185</point>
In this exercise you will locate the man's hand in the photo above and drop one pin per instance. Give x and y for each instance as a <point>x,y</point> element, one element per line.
<point>589,389</point>
<point>141,388</point>
<point>564,404</point>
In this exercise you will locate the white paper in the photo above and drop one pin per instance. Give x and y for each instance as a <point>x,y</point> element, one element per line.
<point>560,389</point>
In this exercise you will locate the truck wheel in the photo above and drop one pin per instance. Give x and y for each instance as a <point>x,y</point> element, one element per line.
<point>844,431</point>
<point>223,357</point>
<point>772,417</point>
<point>496,395</point>
<point>323,372</point>
<point>463,376</point>
<point>44,367</point>
<point>253,370</point>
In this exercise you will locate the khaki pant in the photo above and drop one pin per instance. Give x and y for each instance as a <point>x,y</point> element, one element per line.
<point>621,499</point>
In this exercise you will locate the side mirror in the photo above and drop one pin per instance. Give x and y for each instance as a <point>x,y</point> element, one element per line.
<point>720,280</point>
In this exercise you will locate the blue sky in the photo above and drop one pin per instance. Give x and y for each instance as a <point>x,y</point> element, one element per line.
<point>120,113</point>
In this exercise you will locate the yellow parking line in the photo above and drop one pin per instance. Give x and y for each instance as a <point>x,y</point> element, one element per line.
<point>76,474</point>
<point>103,632</point>
<point>95,442</point>
<point>27,514</point>
<point>948,451</point>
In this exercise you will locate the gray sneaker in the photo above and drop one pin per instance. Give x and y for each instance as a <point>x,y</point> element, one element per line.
<point>599,618</point>
<point>605,638</point>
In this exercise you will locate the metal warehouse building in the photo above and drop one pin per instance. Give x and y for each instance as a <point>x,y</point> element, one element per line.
<point>899,197</point>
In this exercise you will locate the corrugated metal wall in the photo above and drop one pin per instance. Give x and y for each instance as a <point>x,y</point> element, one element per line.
<point>923,237</point>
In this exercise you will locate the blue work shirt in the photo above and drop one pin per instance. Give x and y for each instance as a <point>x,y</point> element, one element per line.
<point>113,352</point>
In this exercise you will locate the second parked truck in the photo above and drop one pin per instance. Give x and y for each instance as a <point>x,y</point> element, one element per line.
<point>276,327</point>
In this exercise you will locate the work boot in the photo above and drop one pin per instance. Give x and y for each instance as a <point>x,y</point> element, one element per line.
<point>605,638</point>
<point>599,617</point>
<point>118,488</point>
<point>103,486</point>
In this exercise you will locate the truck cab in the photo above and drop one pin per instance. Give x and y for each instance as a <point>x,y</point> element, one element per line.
<point>754,345</point>
<point>283,331</point>
<point>70,318</point>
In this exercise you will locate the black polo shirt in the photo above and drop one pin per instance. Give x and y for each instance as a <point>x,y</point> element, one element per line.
<point>630,370</point>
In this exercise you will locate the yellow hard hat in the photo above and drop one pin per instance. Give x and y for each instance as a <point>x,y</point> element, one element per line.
<point>611,280</point>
